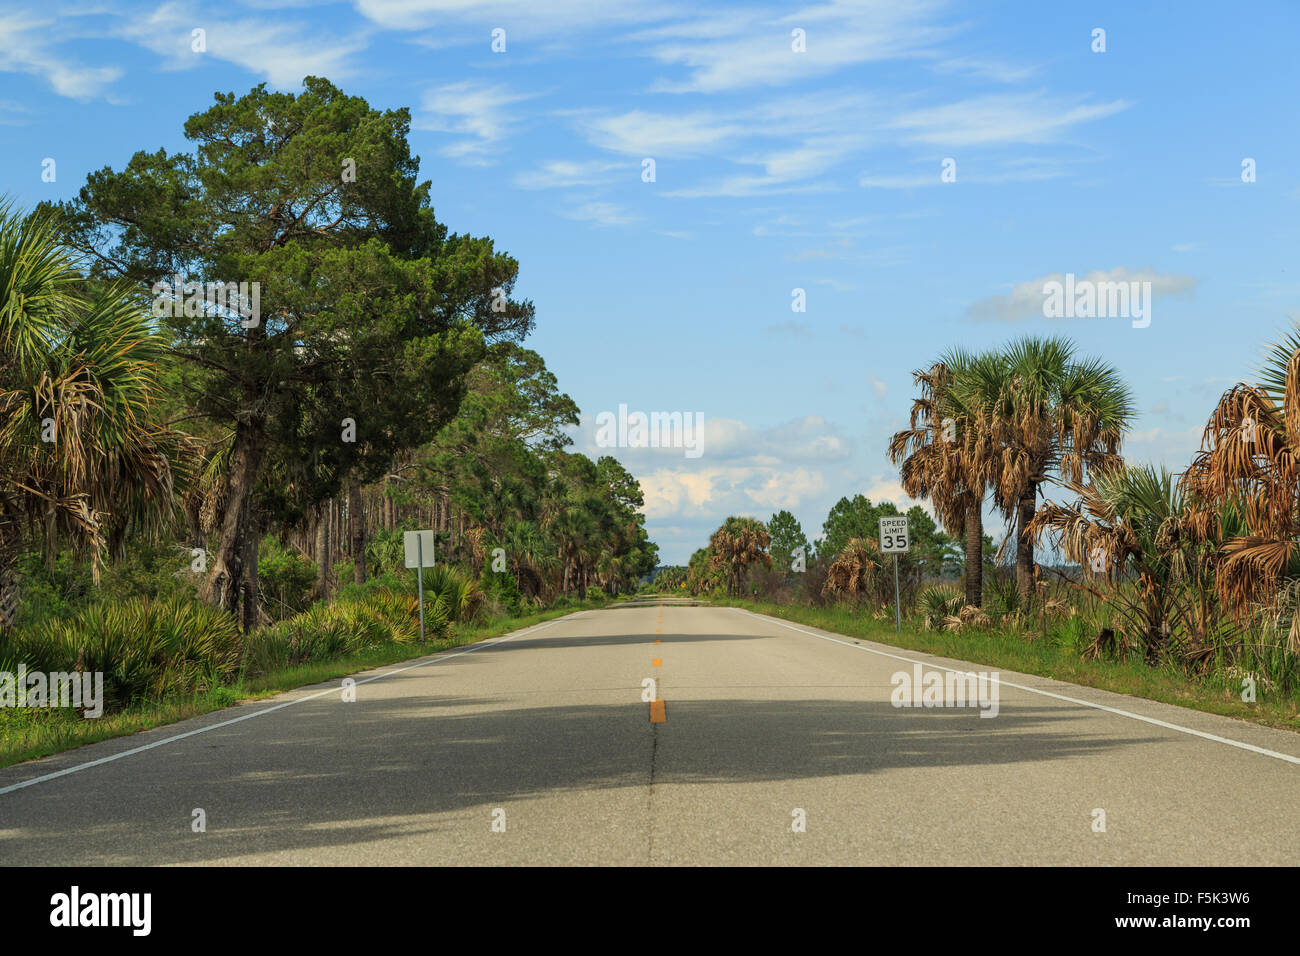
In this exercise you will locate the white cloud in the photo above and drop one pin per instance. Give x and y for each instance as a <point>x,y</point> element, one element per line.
<point>643,134</point>
<point>1001,119</point>
<point>553,16</point>
<point>787,489</point>
<point>985,69</point>
<point>713,493</point>
<point>1025,300</point>
<point>982,172</point>
<point>565,173</point>
<point>891,489</point>
<point>601,213</point>
<point>282,53</point>
<point>474,111</point>
<point>752,48</point>
<point>24,48</point>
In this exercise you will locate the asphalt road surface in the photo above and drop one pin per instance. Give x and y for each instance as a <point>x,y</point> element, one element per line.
<point>772,743</point>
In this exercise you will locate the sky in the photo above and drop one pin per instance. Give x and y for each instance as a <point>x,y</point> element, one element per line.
<point>919,170</point>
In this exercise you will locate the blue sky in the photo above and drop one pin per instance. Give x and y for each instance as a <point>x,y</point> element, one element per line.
<point>774,170</point>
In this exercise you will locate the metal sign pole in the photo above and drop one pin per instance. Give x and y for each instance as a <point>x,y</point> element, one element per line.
<point>419,573</point>
<point>898,604</point>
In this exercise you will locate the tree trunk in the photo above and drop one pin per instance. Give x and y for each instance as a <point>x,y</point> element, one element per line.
<point>222,589</point>
<point>9,592</point>
<point>323,553</point>
<point>1025,545</point>
<point>357,529</point>
<point>336,535</point>
<point>974,557</point>
<point>251,615</point>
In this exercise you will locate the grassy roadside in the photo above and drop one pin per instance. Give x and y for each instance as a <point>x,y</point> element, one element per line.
<point>32,733</point>
<point>1031,654</point>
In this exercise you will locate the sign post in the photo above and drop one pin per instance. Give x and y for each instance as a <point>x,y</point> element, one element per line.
<point>895,540</point>
<point>414,543</point>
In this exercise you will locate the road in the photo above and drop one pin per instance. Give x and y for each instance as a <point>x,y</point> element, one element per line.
<point>545,732</point>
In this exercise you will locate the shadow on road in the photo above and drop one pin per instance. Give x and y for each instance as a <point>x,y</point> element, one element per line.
<point>324,773</point>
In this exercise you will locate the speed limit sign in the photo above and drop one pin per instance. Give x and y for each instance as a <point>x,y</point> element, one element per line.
<point>893,535</point>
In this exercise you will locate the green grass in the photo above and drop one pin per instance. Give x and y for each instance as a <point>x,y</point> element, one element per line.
<point>1030,653</point>
<point>27,734</point>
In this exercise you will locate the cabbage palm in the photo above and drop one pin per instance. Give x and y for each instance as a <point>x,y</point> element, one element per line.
<point>943,456</point>
<point>851,573</point>
<point>82,456</point>
<point>1046,414</point>
<point>1250,466</point>
<point>1137,521</point>
<point>738,544</point>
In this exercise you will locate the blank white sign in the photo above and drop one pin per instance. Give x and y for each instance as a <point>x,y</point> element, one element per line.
<point>414,540</point>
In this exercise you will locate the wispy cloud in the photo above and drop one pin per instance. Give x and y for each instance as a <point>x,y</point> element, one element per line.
<point>566,173</point>
<point>752,48</point>
<point>641,133</point>
<point>476,113</point>
<point>25,47</point>
<point>281,52</point>
<point>985,68</point>
<point>530,16</point>
<point>601,213</point>
<point>1001,119</point>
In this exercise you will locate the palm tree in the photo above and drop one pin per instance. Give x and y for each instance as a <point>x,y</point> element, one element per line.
<point>1138,520</point>
<point>1250,468</point>
<point>853,568</point>
<point>1044,414</point>
<point>82,456</point>
<point>739,543</point>
<point>943,456</point>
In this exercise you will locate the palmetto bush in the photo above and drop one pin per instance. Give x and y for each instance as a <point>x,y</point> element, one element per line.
<point>325,632</point>
<point>150,649</point>
<point>144,648</point>
<point>939,601</point>
<point>455,596</point>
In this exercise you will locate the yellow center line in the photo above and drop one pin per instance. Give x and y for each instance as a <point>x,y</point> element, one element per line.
<point>658,712</point>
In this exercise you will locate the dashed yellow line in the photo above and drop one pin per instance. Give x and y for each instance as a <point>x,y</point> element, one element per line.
<point>658,712</point>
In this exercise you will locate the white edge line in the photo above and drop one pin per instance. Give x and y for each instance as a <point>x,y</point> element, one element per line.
<point>437,658</point>
<point>1034,690</point>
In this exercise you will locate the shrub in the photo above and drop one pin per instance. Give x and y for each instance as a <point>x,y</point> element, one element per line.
<point>939,601</point>
<point>459,597</point>
<point>144,648</point>
<point>500,587</point>
<point>285,579</point>
<point>386,553</point>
